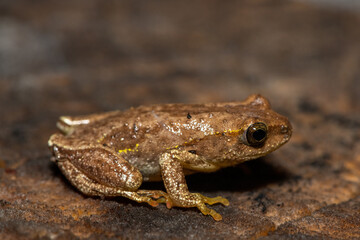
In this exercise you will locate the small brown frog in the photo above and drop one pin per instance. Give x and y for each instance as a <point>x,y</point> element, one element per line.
<point>111,154</point>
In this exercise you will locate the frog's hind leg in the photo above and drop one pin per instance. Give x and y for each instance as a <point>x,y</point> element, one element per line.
<point>91,188</point>
<point>97,170</point>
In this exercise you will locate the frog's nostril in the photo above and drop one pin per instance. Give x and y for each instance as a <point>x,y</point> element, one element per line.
<point>284,129</point>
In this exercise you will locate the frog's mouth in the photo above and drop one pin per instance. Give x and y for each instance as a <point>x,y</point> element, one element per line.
<point>269,148</point>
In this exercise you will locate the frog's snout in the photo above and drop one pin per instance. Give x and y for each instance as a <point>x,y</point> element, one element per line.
<point>286,130</point>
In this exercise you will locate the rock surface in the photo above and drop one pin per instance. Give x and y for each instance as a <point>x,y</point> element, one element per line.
<point>58,58</point>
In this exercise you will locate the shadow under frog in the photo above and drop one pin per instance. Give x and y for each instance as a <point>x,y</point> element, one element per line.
<point>111,154</point>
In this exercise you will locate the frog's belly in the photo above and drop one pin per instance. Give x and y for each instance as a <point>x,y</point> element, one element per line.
<point>149,168</point>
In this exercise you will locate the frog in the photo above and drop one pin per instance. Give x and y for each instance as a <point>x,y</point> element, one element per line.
<point>111,154</point>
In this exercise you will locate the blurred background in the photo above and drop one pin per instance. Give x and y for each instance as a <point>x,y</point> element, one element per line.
<point>120,53</point>
<point>78,57</point>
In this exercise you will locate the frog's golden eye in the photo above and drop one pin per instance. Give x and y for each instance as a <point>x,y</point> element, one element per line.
<point>256,134</point>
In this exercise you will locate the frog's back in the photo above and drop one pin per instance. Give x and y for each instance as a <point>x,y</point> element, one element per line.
<point>159,127</point>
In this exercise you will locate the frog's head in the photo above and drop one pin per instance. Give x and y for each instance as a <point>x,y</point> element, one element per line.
<point>262,129</point>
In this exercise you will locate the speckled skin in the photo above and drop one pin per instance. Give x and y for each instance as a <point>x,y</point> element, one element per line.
<point>110,154</point>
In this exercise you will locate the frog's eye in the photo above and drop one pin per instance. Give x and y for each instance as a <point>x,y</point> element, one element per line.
<point>256,134</point>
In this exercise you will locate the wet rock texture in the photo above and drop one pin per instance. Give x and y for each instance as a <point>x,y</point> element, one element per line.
<point>61,58</point>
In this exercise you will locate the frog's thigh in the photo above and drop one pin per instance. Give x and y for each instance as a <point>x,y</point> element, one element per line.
<point>92,188</point>
<point>81,181</point>
<point>104,167</point>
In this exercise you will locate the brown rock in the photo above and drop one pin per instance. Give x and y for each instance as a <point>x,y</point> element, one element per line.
<point>83,57</point>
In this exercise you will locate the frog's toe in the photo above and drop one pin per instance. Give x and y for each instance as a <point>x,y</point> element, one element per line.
<point>208,211</point>
<point>164,198</point>
<point>202,200</point>
<point>153,203</point>
<point>160,196</point>
<point>167,201</point>
<point>215,200</point>
<point>211,201</point>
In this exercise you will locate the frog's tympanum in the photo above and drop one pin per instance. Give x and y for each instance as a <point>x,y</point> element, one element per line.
<point>111,154</point>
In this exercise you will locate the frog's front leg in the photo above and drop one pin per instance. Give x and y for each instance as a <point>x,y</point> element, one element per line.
<point>174,180</point>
